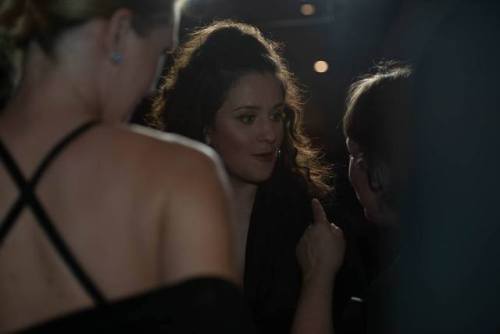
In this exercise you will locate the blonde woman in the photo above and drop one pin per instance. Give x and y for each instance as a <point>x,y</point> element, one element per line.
<point>105,226</point>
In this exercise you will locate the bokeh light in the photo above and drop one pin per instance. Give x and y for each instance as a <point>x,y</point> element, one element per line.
<point>307,9</point>
<point>321,66</point>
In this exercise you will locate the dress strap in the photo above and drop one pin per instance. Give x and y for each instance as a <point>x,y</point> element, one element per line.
<point>28,198</point>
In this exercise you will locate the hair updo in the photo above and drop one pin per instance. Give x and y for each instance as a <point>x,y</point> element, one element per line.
<point>24,21</point>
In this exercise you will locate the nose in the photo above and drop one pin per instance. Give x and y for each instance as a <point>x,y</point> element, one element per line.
<point>268,131</point>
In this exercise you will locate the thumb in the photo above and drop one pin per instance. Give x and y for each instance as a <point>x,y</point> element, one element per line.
<point>319,214</point>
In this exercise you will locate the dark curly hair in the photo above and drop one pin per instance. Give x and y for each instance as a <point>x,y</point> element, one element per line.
<point>206,66</point>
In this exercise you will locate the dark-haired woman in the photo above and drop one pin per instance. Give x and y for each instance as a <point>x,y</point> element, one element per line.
<point>95,232</point>
<point>230,88</point>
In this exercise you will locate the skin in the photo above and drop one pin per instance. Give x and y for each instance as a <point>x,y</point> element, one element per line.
<point>124,200</point>
<point>374,207</point>
<point>248,128</point>
<point>247,133</point>
<point>320,254</point>
<point>359,179</point>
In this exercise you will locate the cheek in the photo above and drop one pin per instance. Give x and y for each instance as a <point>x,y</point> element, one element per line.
<point>353,175</point>
<point>150,68</point>
<point>350,170</point>
<point>160,63</point>
<point>141,80</point>
<point>229,142</point>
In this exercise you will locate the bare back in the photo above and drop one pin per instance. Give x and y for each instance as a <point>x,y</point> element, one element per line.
<point>112,195</point>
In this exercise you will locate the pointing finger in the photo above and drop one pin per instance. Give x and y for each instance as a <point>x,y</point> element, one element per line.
<point>318,212</point>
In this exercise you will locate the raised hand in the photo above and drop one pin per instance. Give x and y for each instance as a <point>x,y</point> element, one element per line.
<point>320,251</point>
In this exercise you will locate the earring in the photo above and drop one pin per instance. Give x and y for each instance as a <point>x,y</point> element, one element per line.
<point>117,58</point>
<point>278,153</point>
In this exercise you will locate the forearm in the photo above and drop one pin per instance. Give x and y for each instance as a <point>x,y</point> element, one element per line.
<point>314,309</point>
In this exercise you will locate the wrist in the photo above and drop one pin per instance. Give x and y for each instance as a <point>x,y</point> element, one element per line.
<point>318,281</point>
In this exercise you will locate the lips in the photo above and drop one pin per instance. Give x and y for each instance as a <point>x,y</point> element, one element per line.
<point>265,157</point>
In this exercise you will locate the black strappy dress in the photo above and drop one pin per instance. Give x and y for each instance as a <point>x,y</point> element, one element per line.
<point>201,305</point>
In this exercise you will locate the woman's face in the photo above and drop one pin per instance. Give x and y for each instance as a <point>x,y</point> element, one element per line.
<point>248,128</point>
<point>356,171</point>
<point>358,175</point>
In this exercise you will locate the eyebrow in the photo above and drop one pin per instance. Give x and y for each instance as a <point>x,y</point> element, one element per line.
<point>246,107</point>
<point>279,105</point>
<point>254,107</point>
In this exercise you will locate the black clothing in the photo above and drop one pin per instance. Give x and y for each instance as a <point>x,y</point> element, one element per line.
<point>272,277</point>
<point>204,305</point>
<point>272,280</point>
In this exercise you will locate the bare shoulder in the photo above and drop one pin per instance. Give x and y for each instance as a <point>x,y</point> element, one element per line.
<point>177,150</point>
<point>166,157</point>
<point>195,208</point>
<point>171,139</point>
<point>193,169</point>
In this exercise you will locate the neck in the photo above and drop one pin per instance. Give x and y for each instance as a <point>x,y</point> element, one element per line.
<point>51,103</point>
<point>244,197</point>
<point>52,91</point>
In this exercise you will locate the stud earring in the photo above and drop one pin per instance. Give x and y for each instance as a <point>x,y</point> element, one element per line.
<point>117,58</point>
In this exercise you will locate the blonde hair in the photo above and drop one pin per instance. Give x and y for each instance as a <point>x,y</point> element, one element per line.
<point>24,21</point>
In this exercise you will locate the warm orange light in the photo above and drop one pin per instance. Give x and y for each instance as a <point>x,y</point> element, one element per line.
<point>321,66</point>
<point>307,9</point>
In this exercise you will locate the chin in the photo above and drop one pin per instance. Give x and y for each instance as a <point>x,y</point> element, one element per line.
<point>368,216</point>
<point>260,180</point>
<point>255,178</point>
<point>372,217</point>
<point>250,173</point>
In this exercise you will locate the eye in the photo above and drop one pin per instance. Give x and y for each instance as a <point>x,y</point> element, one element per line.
<point>277,116</point>
<point>246,118</point>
